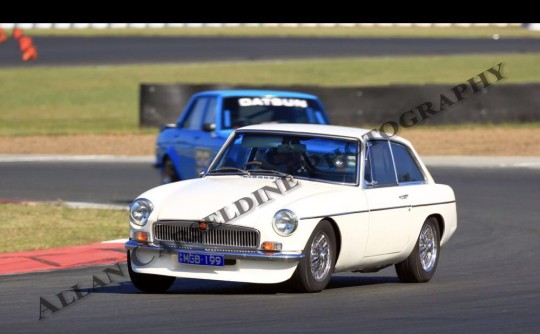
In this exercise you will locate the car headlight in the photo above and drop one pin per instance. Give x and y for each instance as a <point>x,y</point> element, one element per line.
<point>140,210</point>
<point>285,222</point>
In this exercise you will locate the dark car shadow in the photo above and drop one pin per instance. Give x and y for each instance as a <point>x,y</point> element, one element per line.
<point>339,282</point>
<point>125,202</point>
<point>184,286</point>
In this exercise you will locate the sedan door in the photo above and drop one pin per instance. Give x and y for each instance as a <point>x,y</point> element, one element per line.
<point>190,130</point>
<point>206,144</point>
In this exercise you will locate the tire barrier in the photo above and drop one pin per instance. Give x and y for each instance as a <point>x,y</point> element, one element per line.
<point>362,106</point>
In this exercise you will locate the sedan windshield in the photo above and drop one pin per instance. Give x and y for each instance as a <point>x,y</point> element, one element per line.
<point>308,157</point>
<point>241,111</point>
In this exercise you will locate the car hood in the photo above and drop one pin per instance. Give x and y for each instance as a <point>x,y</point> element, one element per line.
<point>201,198</point>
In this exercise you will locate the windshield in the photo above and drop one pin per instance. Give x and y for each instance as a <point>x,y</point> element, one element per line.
<point>240,111</point>
<point>309,157</point>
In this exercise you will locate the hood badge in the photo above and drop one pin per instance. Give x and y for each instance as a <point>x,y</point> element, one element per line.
<point>203,226</point>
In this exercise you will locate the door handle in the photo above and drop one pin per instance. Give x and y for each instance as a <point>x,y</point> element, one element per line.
<point>404,196</point>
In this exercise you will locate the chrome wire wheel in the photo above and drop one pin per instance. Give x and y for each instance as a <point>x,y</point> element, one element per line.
<point>421,264</point>
<point>314,270</point>
<point>428,247</point>
<point>320,257</point>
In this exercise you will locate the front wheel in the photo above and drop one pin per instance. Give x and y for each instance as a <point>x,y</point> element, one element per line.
<point>148,282</point>
<point>421,264</point>
<point>316,267</point>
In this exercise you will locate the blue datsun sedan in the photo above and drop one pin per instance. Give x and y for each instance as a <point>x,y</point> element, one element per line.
<point>186,148</point>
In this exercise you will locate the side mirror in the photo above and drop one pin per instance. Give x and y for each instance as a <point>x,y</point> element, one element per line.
<point>202,173</point>
<point>209,127</point>
<point>167,126</point>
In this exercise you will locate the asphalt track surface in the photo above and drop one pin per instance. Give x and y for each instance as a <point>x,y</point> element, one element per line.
<point>487,279</point>
<point>107,183</point>
<point>129,50</point>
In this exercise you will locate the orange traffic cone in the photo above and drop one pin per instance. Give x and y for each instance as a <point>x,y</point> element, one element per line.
<point>30,54</point>
<point>3,36</point>
<point>25,42</point>
<point>17,33</point>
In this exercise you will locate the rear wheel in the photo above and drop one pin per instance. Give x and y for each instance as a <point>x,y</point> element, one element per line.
<point>148,282</point>
<point>168,172</point>
<point>421,264</point>
<point>316,267</point>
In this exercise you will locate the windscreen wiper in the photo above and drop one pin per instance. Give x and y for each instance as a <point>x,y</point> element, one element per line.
<point>272,171</point>
<point>228,169</point>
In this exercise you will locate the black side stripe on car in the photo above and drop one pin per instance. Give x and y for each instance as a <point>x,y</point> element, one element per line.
<point>430,204</point>
<point>391,208</point>
<point>381,209</point>
<point>336,214</point>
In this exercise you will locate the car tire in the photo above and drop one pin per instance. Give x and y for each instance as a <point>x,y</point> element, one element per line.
<point>168,172</point>
<point>148,282</point>
<point>315,269</point>
<point>421,264</point>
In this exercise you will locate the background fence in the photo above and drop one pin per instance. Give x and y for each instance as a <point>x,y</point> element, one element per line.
<point>362,106</point>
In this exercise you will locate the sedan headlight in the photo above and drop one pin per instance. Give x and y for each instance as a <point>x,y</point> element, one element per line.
<point>285,222</point>
<point>140,210</point>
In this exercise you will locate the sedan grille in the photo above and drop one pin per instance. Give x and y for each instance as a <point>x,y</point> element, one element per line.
<point>189,234</point>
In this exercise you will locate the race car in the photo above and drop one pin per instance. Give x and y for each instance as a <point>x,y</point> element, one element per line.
<point>292,202</point>
<point>186,148</point>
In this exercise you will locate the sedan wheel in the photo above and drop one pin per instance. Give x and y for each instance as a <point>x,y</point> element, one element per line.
<point>320,257</point>
<point>428,247</point>
<point>315,270</point>
<point>168,172</point>
<point>421,264</point>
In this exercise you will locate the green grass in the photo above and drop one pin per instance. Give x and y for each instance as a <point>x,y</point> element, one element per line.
<point>105,99</point>
<point>443,32</point>
<point>34,227</point>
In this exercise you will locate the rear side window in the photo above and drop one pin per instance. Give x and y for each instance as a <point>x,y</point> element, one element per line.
<point>407,169</point>
<point>379,169</point>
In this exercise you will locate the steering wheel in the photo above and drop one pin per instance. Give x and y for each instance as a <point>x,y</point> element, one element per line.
<point>253,163</point>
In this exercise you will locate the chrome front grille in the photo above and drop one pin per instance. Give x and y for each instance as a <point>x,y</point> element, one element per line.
<point>188,234</point>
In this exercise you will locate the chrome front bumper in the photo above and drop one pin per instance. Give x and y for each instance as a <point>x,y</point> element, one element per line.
<point>235,255</point>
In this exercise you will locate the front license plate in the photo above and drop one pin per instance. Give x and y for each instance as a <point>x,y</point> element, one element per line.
<point>201,259</point>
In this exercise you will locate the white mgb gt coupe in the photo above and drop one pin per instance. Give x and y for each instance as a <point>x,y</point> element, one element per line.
<point>294,202</point>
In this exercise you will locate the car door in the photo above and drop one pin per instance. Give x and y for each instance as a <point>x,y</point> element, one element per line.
<point>205,143</point>
<point>389,204</point>
<point>190,130</point>
<point>412,182</point>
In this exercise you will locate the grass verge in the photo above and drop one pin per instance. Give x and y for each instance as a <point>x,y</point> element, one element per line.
<point>41,226</point>
<point>421,32</point>
<point>104,99</point>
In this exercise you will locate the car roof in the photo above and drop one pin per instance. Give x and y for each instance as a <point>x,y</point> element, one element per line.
<point>257,92</point>
<point>332,130</point>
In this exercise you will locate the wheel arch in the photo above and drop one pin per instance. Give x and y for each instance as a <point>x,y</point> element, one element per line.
<point>440,222</point>
<point>171,155</point>
<point>337,232</point>
<point>164,158</point>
